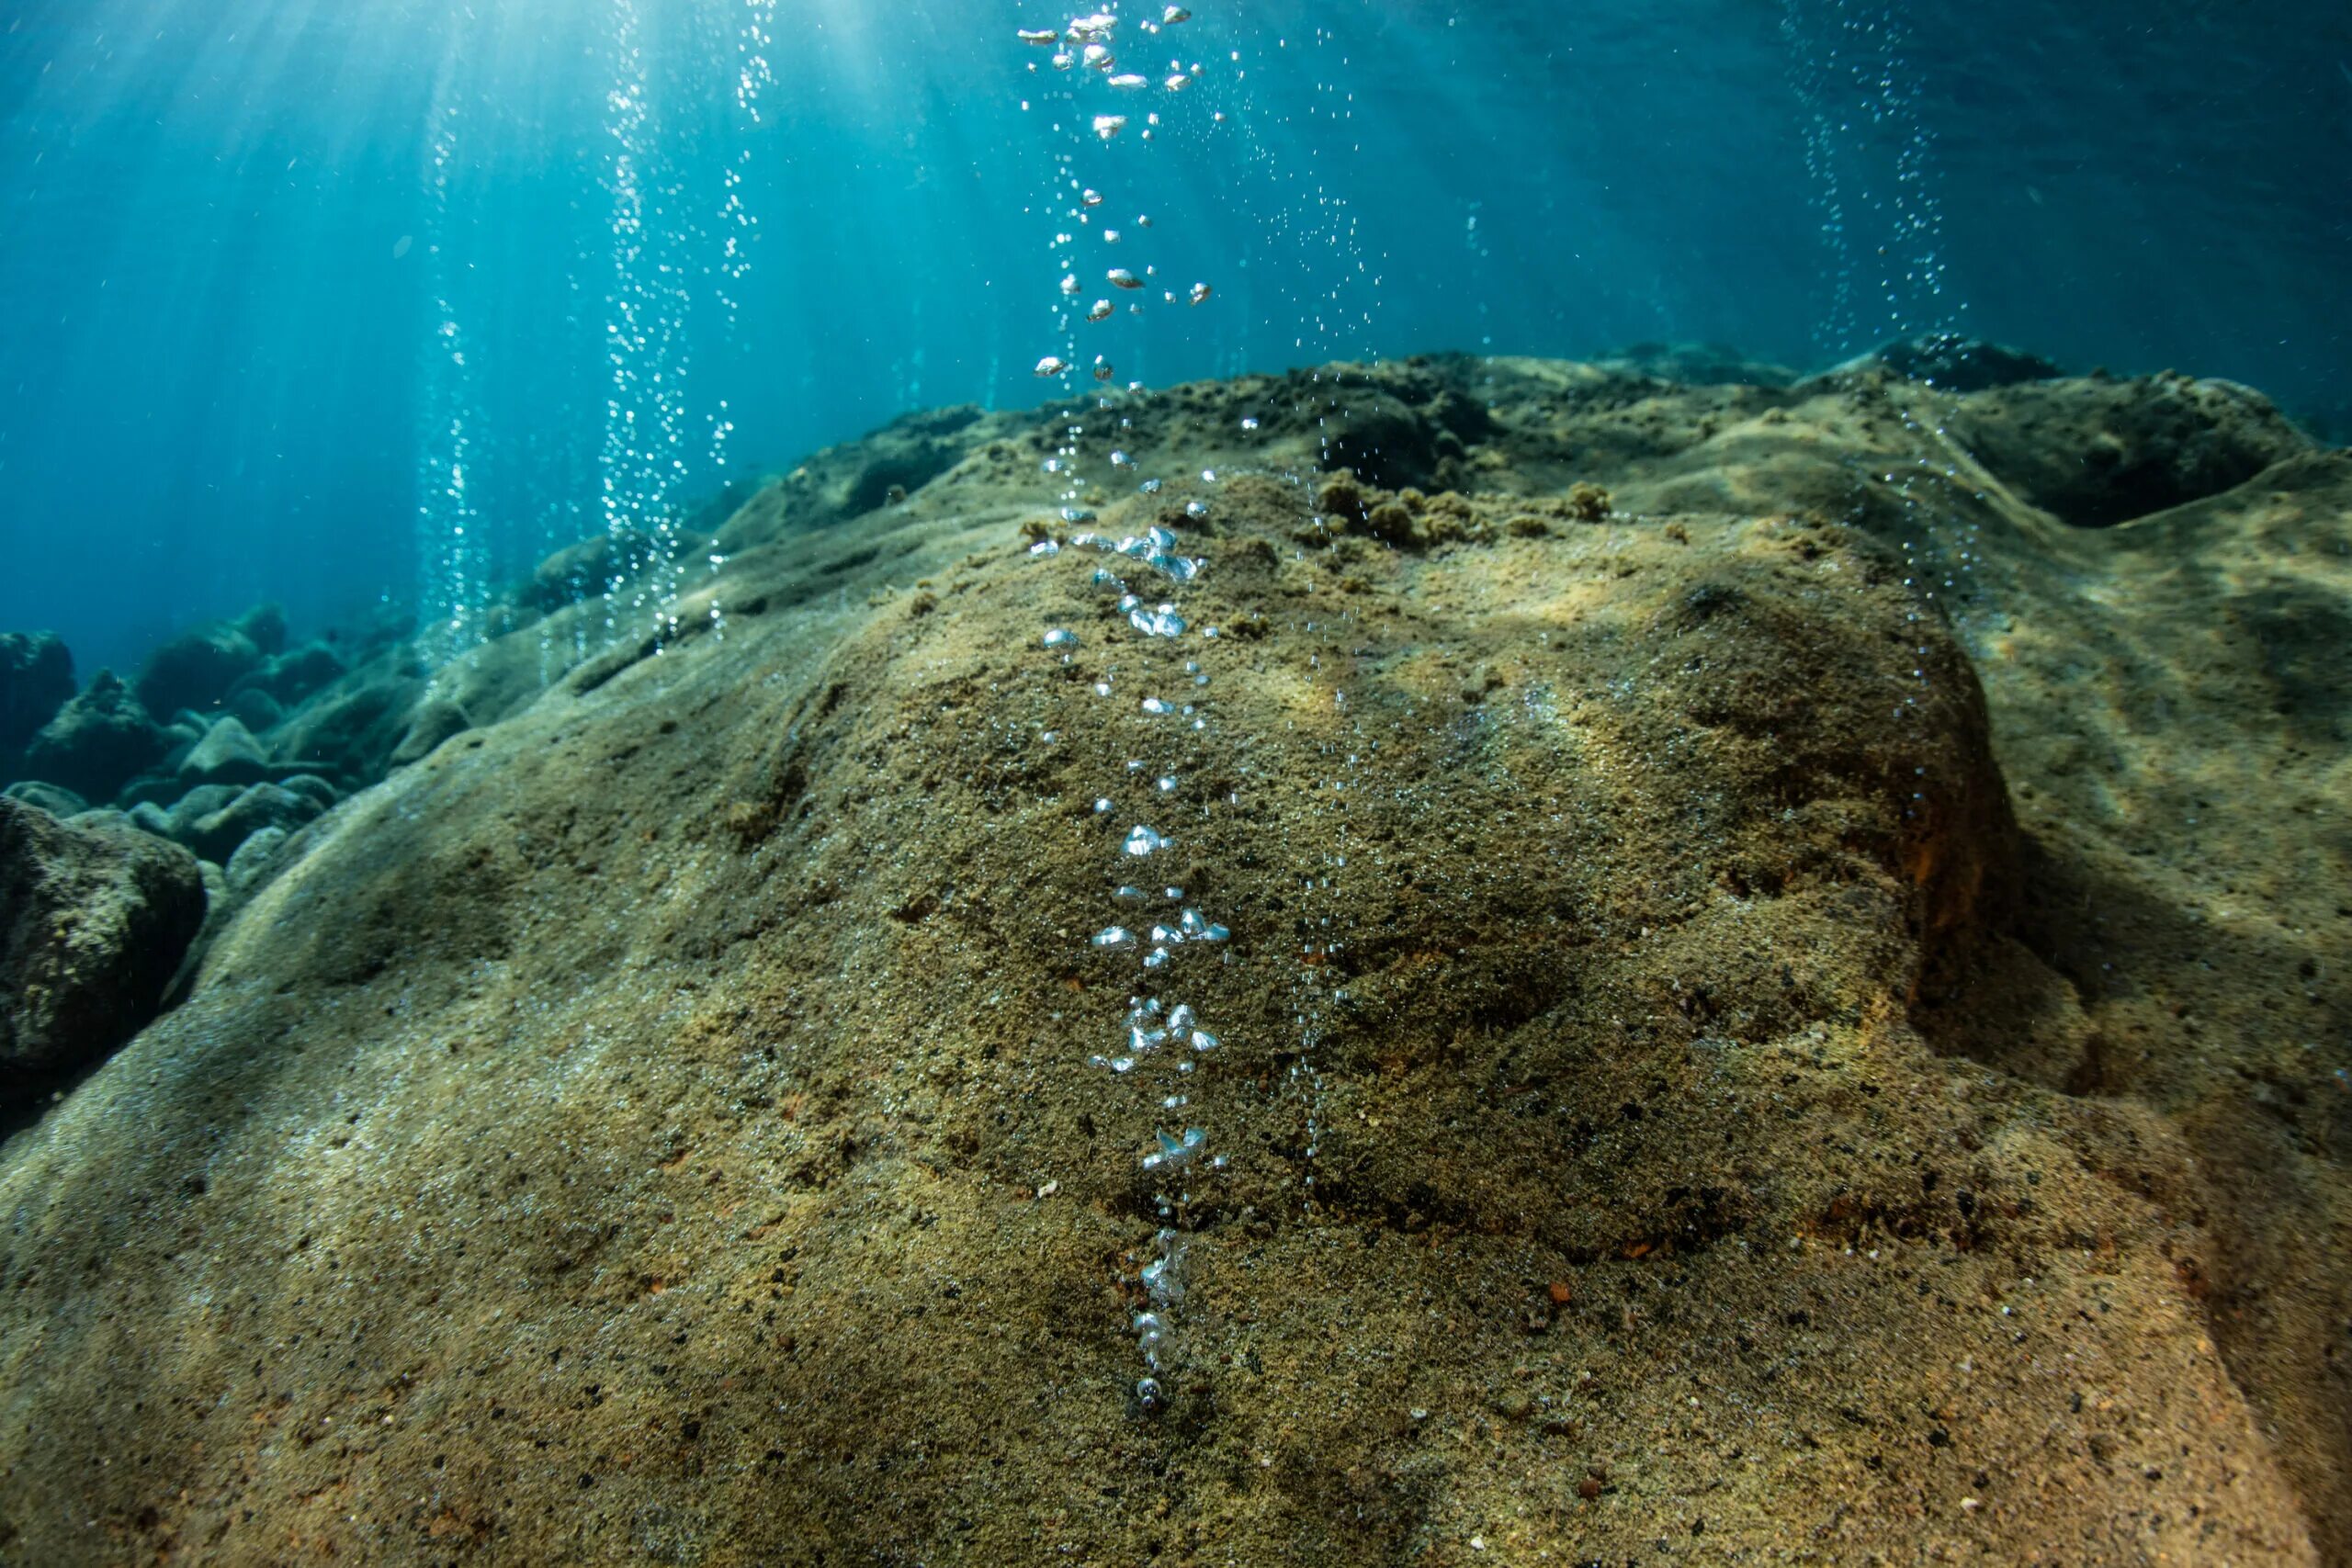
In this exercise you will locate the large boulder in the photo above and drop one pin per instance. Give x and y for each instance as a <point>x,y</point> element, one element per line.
<point>36,680</point>
<point>98,741</point>
<point>93,923</point>
<point>197,669</point>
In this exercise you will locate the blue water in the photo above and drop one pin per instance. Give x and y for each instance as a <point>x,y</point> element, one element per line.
<point>275,270</point>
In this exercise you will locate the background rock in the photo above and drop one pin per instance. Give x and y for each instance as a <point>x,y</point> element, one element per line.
<point>227,754</point>
<point>92,921</point>
<point>57,802</point>
<point>36,680</point>
<point>98,742</point>
<point>197,669</point>
<point>434,722</point>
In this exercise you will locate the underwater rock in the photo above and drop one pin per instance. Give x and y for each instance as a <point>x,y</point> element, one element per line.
<point>227,755</point>
<point>2098,452</point>
<point>264,626</point>
<point>294,675</point>
<point>254,861</point>
<point>1696,1046</point>
<point>36,680</point>
<point>435,721</point>
<point>97,741</point>
<point>92,921</point>
<point>313,788</point>
<point>349,731</point>
<point>216,830</point>
<point>1698,365</point>
<point>49,797</point>
<point>195,670</point>
<point>1956,363</point>
<point>256,709</point>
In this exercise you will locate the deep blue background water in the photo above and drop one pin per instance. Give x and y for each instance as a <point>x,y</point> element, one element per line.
<point>229,258</point>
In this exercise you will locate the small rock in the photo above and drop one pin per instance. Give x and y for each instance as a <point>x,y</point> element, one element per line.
<point>57,802</point>
<point>292,676</point>
<point>254,861</point>
<point>256,709</point>
<point>219,834</point>
<point>227,754</point>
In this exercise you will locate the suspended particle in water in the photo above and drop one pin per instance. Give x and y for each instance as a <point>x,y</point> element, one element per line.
<point>1201,292</point>
<point>1052,364</point>
<point>1121,277</point>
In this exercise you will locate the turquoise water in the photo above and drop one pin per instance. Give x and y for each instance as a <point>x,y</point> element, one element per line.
<point>318,302</point>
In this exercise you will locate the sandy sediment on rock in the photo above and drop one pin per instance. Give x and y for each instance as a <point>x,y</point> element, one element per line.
<point>1677,1098</point>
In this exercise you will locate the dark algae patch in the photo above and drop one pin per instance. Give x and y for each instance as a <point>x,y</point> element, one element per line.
<point>1783,952</point>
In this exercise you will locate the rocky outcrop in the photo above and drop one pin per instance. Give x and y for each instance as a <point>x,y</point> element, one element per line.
<point>93,923</point>
<point>1774,998</point>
